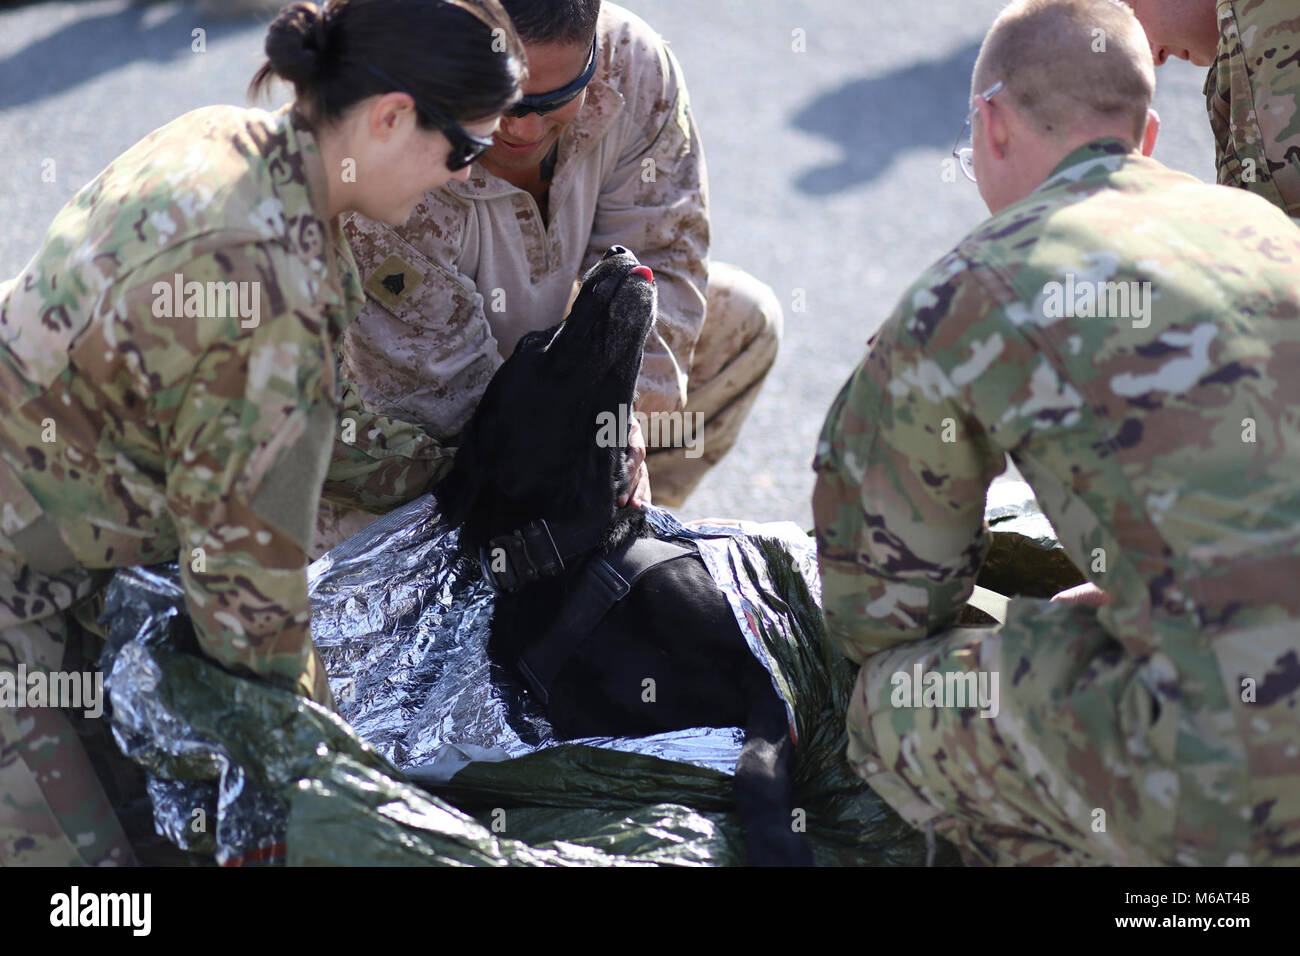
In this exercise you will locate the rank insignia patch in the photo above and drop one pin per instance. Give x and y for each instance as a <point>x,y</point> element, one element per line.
<point>392,281</point>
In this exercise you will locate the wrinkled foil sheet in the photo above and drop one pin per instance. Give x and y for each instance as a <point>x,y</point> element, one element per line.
<point>203,801</point>
<point>402,625</point>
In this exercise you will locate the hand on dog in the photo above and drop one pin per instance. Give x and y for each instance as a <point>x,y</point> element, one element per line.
<point>1087,594</point>
<point>638,476</point>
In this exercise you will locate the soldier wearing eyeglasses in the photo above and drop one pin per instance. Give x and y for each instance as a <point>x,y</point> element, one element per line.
<point>602,150</point>
<point>1130,338</point>
<point>1252,90</point>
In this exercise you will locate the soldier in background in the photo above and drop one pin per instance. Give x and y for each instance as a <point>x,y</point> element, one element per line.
<point>602,150</point>
<point>1252,48</point>
<point>1130,338</point>
<point>168,387</point>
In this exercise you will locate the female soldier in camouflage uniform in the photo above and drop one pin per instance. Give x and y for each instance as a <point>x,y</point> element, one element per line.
<point>167,373</point>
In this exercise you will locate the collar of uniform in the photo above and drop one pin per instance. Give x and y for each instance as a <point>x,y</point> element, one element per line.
<point>336,255</point>
<point>1228,38</point>
<point>1101,154</point>
<point>313,165</point>
<point>603,106</point>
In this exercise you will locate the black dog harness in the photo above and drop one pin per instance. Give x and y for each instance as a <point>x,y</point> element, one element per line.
<point>537,551</point>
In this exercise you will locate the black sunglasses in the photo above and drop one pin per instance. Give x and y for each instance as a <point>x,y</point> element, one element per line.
<point>547,102</point>
<point>464,147</point>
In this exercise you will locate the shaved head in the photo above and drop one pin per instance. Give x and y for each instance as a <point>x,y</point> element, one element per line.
<point>1070,65</point>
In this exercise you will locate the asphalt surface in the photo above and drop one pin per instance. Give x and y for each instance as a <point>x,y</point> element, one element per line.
<point>825,164</point>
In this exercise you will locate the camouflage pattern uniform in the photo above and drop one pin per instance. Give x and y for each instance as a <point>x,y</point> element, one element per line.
<point>1161,728</point>
<point>128,437</point>
<point>477,266</point>
<point>1253,95</point>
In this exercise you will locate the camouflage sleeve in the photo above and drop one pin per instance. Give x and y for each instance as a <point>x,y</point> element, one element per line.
<point>248,429</point>
<point>1253,94</point>
<point>379,463</point>
<point>903,467</point>
<point>656,203</point>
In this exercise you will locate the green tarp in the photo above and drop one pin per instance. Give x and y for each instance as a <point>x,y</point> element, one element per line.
<point>244,772</point>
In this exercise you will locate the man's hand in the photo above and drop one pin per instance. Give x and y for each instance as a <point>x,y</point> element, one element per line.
<point>638,476</point>
<point>1088,594</point>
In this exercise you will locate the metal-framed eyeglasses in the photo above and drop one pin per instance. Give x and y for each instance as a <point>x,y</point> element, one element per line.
<point>966,153</point>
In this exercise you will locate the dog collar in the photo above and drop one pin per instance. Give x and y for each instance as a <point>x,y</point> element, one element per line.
<point>537,550</point>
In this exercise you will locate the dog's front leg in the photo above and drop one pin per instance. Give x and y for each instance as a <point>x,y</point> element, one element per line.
<point>763,787</point>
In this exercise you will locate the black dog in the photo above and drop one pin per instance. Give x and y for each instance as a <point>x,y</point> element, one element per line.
<point>616,632</point>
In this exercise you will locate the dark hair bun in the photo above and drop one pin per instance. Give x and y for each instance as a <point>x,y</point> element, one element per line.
<point>296,43</point>
<point>335,55</point>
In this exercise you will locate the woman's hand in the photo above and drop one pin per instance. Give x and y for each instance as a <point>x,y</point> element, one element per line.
<point>638,476</point>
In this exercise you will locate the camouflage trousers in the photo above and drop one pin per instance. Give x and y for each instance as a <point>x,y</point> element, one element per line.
<point>1080,765</point>
<point>737,347</point>
<point>54,810</point>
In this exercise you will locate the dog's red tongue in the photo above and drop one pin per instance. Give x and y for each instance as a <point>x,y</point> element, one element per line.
<point>644,272</point>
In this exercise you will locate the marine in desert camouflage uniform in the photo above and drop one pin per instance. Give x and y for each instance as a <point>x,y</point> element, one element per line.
<point>1252,91</point>
<point>1157,728</point>
<point>482,263</point>
<point>168,390</point>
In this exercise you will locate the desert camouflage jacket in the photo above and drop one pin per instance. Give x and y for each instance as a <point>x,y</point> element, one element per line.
<point>168,384</point>
<point>476,267</point>
<point>1131,337</point>
<point>1253,95</point>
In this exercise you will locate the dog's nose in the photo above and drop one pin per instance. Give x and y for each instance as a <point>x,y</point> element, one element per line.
<point>615,251</point>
